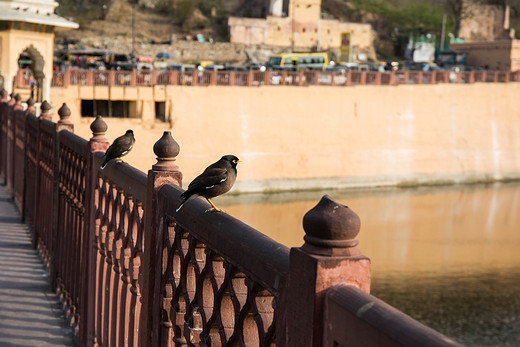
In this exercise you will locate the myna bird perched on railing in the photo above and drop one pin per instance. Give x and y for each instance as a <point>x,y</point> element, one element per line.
<point>217,179</point>
<point>120,147</point>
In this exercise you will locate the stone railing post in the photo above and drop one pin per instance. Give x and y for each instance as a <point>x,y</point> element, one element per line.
<point>213,78</point>
<point>267,77</point>
<point>363,78</point>
<point>348,79</point>
<point>66,77</point>
<point>195,77</point>
<point>64,122</point>
<point>328,257</point>
<point>250,77</point>
<point>163,172</point>
<point>97,143</point>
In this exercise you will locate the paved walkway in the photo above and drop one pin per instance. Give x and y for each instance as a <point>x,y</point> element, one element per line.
<point>30,313</point>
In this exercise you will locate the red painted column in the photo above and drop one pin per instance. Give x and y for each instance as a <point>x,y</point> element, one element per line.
<point>328,257</point>
<point>163,172</point>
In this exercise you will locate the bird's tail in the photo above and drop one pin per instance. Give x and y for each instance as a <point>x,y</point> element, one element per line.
<point>104,164</point>
<point>186,198</point>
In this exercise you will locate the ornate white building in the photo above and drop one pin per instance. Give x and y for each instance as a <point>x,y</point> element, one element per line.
<point>28,26</point>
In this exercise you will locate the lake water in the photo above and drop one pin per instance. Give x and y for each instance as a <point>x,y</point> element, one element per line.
<point>447,256</point>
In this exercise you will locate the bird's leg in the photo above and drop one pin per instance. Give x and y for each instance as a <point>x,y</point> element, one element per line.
<point>213,207</point>
<point>121,160</point>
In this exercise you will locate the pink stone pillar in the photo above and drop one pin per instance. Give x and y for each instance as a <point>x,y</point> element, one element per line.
<point>163,172</point>
<point>328,257</point>
<point>89,315</point>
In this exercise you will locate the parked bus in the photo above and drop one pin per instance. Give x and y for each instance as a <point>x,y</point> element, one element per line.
<point>298,61</point>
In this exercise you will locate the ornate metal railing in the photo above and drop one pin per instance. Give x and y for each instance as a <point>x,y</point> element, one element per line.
<point>131,271</point>
<point>213,294</point>
<point>255,78</point>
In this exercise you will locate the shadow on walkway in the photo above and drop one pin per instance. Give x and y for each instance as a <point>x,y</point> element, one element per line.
<point>30,313</point>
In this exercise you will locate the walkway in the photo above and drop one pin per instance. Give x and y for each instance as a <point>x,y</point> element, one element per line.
<point>30,313</point>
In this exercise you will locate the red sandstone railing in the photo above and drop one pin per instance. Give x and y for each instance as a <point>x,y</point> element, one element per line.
<point>256,78</point>
<point>130,271</point>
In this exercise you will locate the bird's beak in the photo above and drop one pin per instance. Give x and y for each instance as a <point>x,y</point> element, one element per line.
<point>239,160</point>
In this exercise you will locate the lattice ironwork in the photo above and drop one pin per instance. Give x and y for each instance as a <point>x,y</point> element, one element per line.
<point>31,165</point>
<point>19,158</point>
<point>45,194</point>
<point>206,300</point>
<point>71,243</point>
<point>4,109</point>
<point>119,240</point>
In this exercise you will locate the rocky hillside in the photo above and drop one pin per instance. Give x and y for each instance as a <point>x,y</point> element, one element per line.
<point>155,32</point>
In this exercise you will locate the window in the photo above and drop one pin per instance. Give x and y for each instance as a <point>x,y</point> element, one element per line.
<point>108,108</point>
<point>160,111</point>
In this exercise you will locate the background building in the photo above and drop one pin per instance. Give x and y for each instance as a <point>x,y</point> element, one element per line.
<point>28,27</point>
<point>297,24</point>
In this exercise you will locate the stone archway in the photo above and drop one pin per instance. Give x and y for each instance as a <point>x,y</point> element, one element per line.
<point>37,69</point>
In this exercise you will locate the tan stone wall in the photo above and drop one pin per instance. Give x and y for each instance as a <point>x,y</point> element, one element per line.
<point>302,30</point>
<point>481,22</point>
<point>319,136</point>
<point>497,55</point>
<point>305,10</point>
<point>280,32</point>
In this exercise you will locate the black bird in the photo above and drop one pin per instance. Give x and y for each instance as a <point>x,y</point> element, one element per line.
<point>217,179</point>
<point>120,147</point>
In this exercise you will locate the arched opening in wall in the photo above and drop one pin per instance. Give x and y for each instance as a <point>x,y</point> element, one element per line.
<point>29,79</point>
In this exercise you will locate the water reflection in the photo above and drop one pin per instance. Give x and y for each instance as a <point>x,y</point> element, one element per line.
<point>447,256</point>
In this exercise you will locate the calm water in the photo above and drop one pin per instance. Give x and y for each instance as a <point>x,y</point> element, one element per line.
<point>447,256</point>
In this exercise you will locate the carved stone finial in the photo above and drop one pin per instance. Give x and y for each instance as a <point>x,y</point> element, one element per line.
<point>166,150</point>
<point>45,108</point>
<point>64,113</point>
<point>98,141</point>
<point>30,107</point>
<point>98,126</point>
<point>330,225</point>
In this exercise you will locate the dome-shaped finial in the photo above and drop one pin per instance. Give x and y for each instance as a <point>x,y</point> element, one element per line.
<point>98,126</point>
<point>166,150</point>
<point>45,108</point>
<point>98,141</point>
<point>30,107</point>
<point>64,113</point>
<point>330,225</point>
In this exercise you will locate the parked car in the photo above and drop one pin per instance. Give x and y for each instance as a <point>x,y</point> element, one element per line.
<point>120,62</point>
